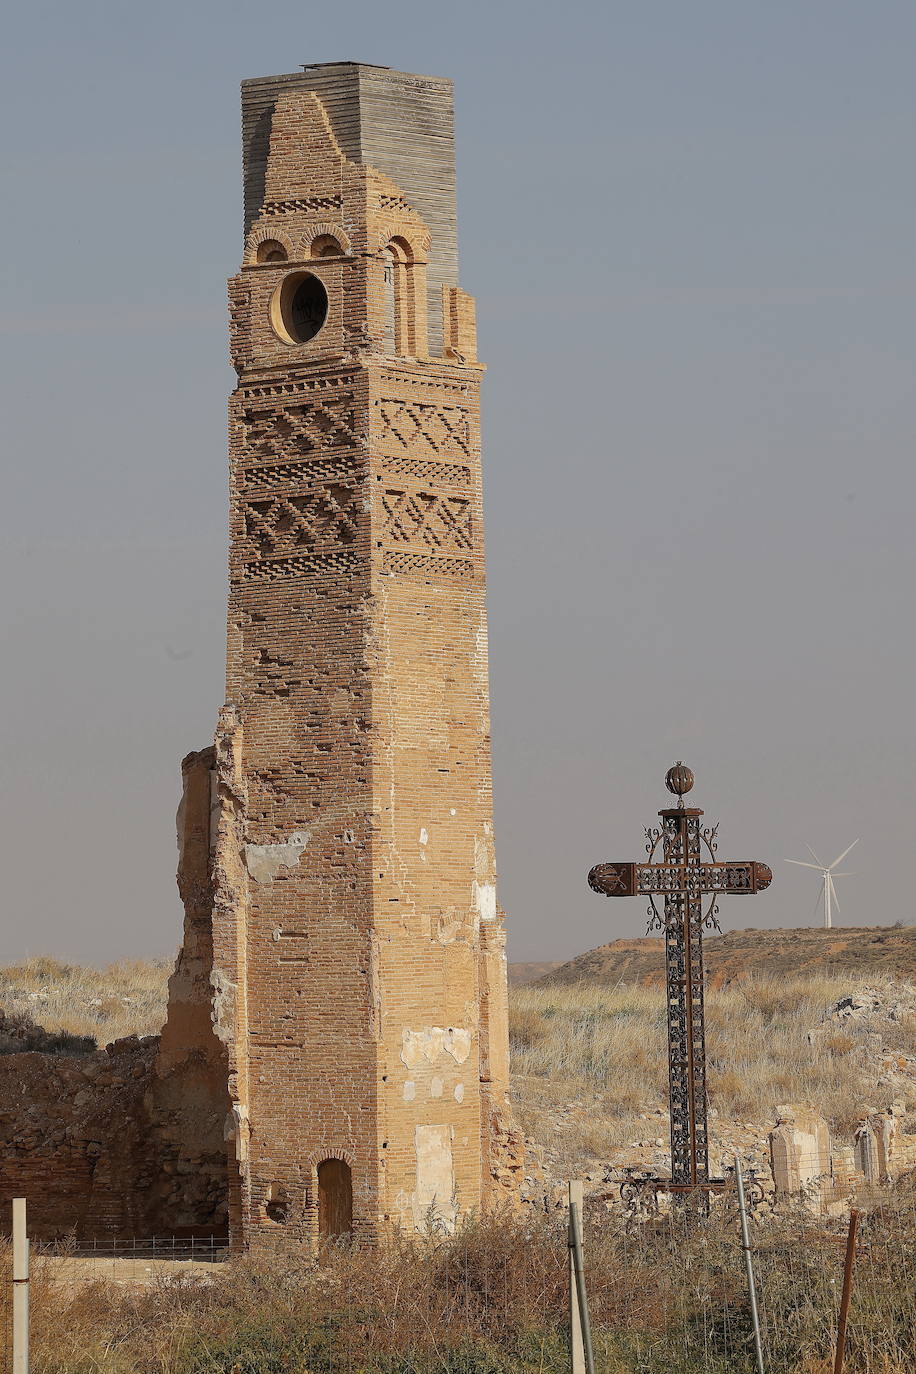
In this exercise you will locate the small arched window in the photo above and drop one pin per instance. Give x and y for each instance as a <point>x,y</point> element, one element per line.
<point>335,1199</point>
<point>271,251</point>
<point>326,246</point>
<point>390,301</point>
<point>401,280</point>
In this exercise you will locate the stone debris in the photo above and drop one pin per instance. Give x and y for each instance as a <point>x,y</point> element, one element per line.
<point>868,1003</point>
<point>875,1146</point>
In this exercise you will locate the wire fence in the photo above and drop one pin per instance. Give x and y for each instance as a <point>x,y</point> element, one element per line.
<point>203,1249</point>
<point>666,1297</point>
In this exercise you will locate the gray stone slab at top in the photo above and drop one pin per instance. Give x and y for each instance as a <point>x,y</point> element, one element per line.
<point>400,123</point>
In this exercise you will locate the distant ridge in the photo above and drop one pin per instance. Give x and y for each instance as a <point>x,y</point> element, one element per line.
<point>745,953</point>
<point>520,974</point>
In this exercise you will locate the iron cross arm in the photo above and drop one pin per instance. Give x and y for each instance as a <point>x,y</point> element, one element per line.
<point>732,878</point>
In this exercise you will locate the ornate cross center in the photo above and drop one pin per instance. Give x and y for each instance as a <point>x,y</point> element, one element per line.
<point>687,873</point>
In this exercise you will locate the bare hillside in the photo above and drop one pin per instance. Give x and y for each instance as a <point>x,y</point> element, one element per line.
<point>864,951</point>
<point>520,975</point>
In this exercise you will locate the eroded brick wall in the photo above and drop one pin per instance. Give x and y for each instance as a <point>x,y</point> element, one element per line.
<point>365,945</point>
<point>136,1140</point>
<point>81,1140</point>
<point>337,1015</point>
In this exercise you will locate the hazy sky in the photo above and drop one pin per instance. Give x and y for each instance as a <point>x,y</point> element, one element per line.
<point>690,230</point>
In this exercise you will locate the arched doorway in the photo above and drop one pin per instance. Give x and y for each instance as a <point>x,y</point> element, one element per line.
<point>335,1199</point>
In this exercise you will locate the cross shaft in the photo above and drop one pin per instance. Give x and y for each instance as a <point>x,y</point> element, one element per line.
<point>683,879</point>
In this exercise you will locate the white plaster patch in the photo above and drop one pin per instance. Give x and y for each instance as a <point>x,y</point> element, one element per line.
<point>485,901</point>
<point>410,1090</point>
<point>424,837</point>
<point>435,1087</point>
<point>457,1044</point>
<point>238,1127</point>
<point>222,1006</point>
<point>459,1092</point>
<point>434,1196</point>
<point>484,857</point>
<point>453,812</point>
<point>264,861</point>
<point>426,1046</point>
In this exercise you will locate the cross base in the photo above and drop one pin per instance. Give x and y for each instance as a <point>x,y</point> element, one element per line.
<point>641,1192</point>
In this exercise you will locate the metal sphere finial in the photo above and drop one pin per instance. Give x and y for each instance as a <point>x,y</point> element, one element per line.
<point>679,779</point>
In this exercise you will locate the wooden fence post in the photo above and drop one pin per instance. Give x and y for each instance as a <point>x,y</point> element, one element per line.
<point>847,1293</point>
<point>576,1347</point>
<point>20,1289</point>
<point>575,1245</point>
<point>749,1264</point>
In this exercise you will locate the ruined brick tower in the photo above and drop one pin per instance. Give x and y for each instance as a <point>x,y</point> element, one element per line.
<point>344,921</point>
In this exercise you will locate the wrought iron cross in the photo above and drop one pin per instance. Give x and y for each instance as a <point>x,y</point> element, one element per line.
<point>688,873</point>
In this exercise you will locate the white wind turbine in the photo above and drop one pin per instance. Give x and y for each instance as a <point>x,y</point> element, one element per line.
<point>828,896</point>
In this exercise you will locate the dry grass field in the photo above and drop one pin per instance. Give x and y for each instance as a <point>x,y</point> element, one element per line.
<point>589,1060</point>
<point>104,1004</point>
<point>492,1299</point>
<point>590,1088</point>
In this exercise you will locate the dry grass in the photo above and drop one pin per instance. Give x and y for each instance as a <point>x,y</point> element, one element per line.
<point>493,1300</point>
<point>589,1069</point>
<point>588,1060</point>
<point>767,1043</point>
<point>127,998</point>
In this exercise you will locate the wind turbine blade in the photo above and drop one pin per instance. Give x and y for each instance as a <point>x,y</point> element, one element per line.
<point>843,855</point>
<point>849,873</point>
<point>818,868</point>
<point>835,901</point>
<point>820,900</point>
<point>814,856</point>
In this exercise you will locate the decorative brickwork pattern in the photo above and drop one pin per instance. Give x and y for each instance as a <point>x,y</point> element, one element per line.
<point>419,565</point>
<point>280,432</point>
<point>435,474</point>
<point>370,946</point>
<point>442,522</point>
<point>420,427</point>
<point>335,1056</point>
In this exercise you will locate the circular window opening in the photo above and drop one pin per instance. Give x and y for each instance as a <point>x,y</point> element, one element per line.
<point>299,308</point>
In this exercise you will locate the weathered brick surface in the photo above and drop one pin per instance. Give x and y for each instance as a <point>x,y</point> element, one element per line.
<point>338,1009</point>
<point>399,123</point>
<point>374,964</point>
<point>82,1140</point>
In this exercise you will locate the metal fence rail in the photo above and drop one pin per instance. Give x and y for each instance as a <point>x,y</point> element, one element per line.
<point>205,1249</point>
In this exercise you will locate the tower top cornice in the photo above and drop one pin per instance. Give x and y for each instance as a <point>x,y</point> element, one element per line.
<point>397,125</point>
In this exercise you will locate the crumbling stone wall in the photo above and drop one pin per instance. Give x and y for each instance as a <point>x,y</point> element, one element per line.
<point>132,1140</point>
<point>81,1139</point>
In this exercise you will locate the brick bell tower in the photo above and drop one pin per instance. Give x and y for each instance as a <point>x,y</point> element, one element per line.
<point>357,981</point>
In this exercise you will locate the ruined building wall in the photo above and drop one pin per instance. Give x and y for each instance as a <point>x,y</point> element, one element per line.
<point>374,963</point>
<point>81,1138</point>
<point>131,1141</point>
<point>335,1056</point>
